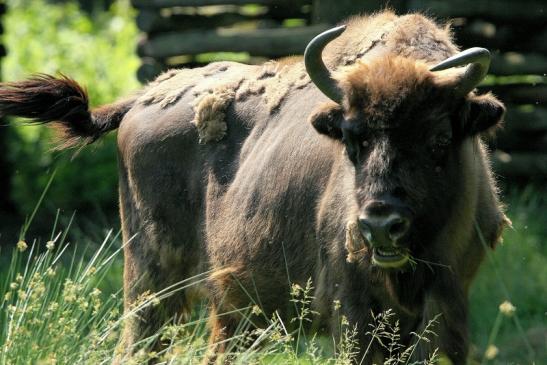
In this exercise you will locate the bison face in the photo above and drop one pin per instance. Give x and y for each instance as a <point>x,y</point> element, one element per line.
<point>407,133</point>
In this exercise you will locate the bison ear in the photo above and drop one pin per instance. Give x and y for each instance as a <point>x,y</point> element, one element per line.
<point>327,120</point>
<point>483,113</point>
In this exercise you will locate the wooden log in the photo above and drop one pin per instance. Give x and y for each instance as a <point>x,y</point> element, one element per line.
<point>520,142</point>
<point>519,93</point>
<point>523,10</point>
<point>149,69</point>
<point>513,63</point>
<point>538,42</point>
<point>258,42</point>
<point>520,165</point>
<point>172,3</point>
<point>151,21</point>
<point>329,11</point>
<point>486,34</point>
<point>483,33</point>
<point>502,37</point>
<point>526,119</point>
<point>524,129</point>
<point>291,9</point>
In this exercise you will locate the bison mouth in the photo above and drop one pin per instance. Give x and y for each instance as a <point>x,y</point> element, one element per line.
<point>389,257</point>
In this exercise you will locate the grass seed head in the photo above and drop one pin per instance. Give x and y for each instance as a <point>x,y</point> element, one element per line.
<point>50,245</point>
<point>491,352</point>
<point>507,308</point>
<point>22,246</point>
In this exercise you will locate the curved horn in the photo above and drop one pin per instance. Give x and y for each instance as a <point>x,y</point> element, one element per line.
<point>319,73</point>
<point>479,60</point>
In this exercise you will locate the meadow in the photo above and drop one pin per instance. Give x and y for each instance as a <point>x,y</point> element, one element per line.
<point>62,304</point>
<point>60,278</point>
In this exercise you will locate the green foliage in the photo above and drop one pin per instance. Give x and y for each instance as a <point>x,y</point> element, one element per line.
<point>99,53</point>
<point>515,272</point>
<point>53,309</point>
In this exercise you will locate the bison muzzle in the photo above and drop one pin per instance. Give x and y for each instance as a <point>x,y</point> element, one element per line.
<point>360,166</point>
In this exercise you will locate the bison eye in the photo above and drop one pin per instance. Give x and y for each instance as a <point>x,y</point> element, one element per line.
<point>353,147</point>
<point>440,146</point>
<point>443,140</point>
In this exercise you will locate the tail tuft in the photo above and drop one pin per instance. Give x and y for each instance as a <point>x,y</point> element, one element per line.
<point>62,102</point>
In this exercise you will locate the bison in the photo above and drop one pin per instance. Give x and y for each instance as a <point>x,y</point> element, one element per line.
<point>360,166</point>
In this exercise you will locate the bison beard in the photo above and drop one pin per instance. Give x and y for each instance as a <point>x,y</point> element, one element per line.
<point>380,196</point>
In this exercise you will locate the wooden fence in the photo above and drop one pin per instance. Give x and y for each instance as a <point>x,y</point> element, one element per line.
<point>185,32</point>
<point>189,33</point>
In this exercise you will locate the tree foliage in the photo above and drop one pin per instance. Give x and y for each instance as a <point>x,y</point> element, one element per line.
<point>99,52</point>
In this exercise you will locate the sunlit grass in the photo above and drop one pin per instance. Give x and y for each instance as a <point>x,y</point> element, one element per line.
<point>54,312</point>
<point>54,309</point>
<point>58,306</point>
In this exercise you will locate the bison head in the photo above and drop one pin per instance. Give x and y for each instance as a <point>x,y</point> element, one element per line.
<point>408,131</point>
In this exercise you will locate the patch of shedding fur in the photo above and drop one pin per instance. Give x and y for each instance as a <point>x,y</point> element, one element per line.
<point>362,34</point>
<point>165,76</point>
<point>432,45</point>
<point>215,68</point>
<point>287,77</point>
<point>250,88</point>
<point>210,112</point>
<point>413,36</point>
<point>274,82</point>
<point>355,243</point>
<point>169,87</point>
<point>266,73</point>
<point>302,81</point>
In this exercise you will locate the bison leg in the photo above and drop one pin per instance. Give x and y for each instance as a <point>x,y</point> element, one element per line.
<point>157,254</point>
<point>145,312</point>
<point>223,328</point>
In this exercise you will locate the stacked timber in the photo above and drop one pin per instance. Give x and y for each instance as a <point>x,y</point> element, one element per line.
<point>190,33</point>
<point>186,33</point>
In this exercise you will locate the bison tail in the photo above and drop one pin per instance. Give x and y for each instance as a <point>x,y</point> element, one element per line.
<point>64,103</point>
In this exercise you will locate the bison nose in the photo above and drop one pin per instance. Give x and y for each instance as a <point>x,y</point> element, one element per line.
<point>384,230</point>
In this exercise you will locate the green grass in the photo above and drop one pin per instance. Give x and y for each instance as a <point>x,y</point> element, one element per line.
<point>55,310</point>
<point>61,303</point>
<point>516,272</point>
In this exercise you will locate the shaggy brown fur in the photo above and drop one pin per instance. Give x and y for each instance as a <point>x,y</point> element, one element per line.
<point>276,199</point>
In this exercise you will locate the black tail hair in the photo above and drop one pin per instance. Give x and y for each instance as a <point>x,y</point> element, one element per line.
<point>64,103</point>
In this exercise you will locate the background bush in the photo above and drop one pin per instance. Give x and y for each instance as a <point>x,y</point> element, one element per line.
<point>98,51</point>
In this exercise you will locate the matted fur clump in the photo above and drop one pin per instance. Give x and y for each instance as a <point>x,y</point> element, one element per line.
<point>210,114</point>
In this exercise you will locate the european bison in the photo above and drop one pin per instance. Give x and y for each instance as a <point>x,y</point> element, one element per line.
<point>381,194</point>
